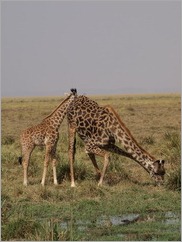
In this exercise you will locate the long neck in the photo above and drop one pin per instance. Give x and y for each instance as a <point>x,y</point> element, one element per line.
<point>124,136</point>
<point>56,117</point>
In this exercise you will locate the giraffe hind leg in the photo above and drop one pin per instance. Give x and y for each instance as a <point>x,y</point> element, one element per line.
<point>54,161</point>
<point>46,163</point>
<point>24,160</point>
<point>72,149</point>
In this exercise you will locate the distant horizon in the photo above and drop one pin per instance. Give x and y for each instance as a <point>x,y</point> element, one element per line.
<point>95,95</point>
<point>103,92</point>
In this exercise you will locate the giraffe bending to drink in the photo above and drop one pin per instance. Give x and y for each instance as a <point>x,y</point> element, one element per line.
<point>99,128</point>
<point>44,134</point>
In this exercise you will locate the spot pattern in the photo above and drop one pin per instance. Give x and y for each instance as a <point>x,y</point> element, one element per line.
<point>99,128</point>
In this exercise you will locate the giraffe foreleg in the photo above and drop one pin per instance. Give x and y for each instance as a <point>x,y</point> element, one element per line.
<point>72,142</point>
<point>48,157</point>
<point>95,150</point>
<point>106,162</point>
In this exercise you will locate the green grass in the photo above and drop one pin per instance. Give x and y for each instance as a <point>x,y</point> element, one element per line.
<point>60,212</point>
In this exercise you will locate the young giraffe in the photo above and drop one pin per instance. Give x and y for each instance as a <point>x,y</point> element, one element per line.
<point>44,134</point>
<point>99,128</point>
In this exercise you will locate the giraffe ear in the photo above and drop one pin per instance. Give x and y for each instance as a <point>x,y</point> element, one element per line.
<point>160,161</point>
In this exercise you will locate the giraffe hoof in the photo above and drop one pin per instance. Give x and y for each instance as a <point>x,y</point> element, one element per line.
<point>73,185</point>
<point>99,184</point>
<point>25,183</point>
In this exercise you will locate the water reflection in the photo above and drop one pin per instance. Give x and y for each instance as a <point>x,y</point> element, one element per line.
<point>108,221</point>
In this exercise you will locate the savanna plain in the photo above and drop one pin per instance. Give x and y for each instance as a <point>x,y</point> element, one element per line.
<point>127,207</point>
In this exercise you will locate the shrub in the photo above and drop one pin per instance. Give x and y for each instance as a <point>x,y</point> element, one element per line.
<point>173,181</point>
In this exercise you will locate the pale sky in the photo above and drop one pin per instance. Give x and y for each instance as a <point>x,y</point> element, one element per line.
<point>98,47</point>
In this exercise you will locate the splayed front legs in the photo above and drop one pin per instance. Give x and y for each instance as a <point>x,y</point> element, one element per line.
<point>104,152</point>
<point>92,151</point>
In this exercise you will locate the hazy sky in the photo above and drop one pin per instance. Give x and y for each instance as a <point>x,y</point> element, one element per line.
<point>99,47</point>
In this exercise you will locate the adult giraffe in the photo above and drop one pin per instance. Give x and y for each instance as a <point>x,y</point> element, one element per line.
<point>99,128</point>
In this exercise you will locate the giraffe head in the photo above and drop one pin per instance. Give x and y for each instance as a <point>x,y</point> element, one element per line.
<point>158,171</point>
<point>74,91</point>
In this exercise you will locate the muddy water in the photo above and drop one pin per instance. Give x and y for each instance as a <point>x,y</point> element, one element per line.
<point>118,220</point>
<point>168,218</point>
<point>171,218</point>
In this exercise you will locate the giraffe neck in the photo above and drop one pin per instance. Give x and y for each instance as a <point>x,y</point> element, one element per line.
<point>56,117</point>
<point>135,151</point>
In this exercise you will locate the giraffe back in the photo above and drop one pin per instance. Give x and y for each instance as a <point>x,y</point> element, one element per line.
<point>100,125</point>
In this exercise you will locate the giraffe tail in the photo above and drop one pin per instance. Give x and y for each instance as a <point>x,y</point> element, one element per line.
<point>20,160</point>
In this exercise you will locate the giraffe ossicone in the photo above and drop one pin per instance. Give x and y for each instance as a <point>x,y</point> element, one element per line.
<point>45,134</point>
<point>99,128</point>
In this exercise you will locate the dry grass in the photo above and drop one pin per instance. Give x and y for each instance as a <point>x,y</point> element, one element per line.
<point>154,120</point>
<point>149,118</point>
<point>142,114</point>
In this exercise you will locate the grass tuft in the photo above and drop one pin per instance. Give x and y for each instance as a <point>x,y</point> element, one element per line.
<point>149,140</point>
<point>7,140</point>
<point>20,229</point>
<point>172,152</point>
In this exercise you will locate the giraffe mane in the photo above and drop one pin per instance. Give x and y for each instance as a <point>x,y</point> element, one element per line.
<point>112,110</point>
<point>58,106</point>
